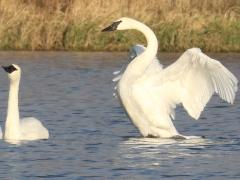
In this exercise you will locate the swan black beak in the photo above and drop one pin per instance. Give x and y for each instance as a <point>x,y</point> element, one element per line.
<point>5,68</point>
<point>9,69</point>
<point>112,27</point>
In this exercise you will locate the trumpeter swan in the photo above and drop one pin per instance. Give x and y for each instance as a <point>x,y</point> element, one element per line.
<point>150,93</point>
<point>15,129</point>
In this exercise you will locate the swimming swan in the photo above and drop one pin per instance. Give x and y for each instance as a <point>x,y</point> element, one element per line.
<point>150,98</point>
<point>15,129</point>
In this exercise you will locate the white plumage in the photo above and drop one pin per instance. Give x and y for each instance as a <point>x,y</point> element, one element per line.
<point>17,129</point>
<point>150,93</point>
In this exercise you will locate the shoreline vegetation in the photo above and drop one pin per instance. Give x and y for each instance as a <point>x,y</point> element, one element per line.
<point>212,25</point>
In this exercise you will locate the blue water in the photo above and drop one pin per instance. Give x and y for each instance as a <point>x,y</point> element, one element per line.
<point>91,137</point>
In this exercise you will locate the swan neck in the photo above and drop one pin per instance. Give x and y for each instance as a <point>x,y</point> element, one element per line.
<point>152,42</point>
<point>138,66</point>
<point>12,120</point>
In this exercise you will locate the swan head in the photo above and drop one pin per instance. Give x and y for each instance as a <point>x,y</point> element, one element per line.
<point>13,70</point>
<point>121,24</point>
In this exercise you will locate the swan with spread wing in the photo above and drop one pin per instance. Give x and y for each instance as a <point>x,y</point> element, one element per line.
<point>150,93</point>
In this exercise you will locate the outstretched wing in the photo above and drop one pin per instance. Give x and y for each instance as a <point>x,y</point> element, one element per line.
<point>135,51</point>
<point>192,80</point>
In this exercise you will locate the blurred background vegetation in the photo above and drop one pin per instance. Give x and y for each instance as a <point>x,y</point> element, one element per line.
<point>212,25</point>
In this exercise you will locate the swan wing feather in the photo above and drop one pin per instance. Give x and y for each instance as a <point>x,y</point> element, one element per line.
<point>32,128</point>
<point>195,77</point>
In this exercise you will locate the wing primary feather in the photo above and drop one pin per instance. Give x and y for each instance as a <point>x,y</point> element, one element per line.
<point>197,77</point>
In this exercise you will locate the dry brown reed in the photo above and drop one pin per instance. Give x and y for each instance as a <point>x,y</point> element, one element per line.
<point>75,24</point>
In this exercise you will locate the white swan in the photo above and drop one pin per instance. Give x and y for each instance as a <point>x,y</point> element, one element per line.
<point>150,98</point>
<point>15,129</point>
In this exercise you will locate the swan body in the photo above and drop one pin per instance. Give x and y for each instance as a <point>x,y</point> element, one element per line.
<point>150,93</point>
<point>15,129</point>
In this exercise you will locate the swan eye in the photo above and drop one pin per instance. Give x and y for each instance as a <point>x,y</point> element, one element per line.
<point>9,69</point>
<point>112,27</point>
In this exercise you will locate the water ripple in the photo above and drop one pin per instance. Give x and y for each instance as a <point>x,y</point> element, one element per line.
<point>92,138</point>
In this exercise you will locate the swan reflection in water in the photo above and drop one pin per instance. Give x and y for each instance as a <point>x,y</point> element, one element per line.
<point>151,152</point>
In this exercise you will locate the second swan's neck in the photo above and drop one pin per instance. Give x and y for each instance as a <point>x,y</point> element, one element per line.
<point>12,125</point>
<point>140,63</point>
<point>152,42</point>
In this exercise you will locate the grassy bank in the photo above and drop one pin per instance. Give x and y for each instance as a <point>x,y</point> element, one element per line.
<point>75,24</point>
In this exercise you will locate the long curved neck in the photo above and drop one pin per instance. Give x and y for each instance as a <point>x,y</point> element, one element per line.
<point>144,60</point>
<point>12,125</point>
<point>152,42</point>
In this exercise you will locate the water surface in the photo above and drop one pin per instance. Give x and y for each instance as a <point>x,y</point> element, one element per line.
<point>90,135</point>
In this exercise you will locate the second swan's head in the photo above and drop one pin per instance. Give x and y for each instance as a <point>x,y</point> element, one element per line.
<point>13,70</point>
<point>121,24</point>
